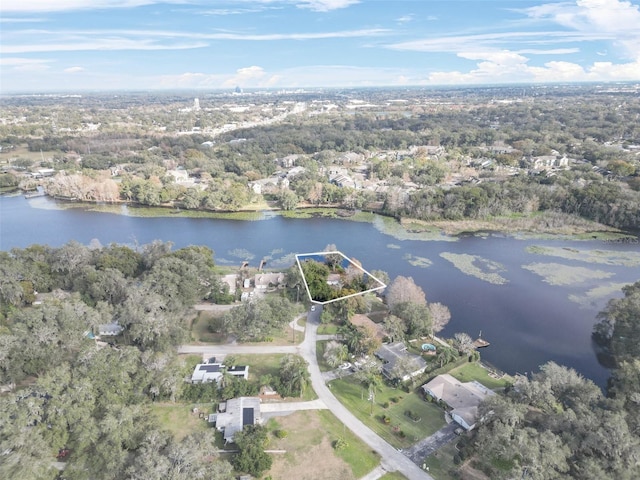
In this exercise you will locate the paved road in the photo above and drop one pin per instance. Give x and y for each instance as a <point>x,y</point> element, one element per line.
<point>237,349</point>
<point>392,459</point>
<point>429,445</point>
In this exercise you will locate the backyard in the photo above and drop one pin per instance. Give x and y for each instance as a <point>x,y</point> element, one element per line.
<point>474,371</point>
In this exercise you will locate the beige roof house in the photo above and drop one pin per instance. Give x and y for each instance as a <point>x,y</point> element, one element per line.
<point>463,398</point>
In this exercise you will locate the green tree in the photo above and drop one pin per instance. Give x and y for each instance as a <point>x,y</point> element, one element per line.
<point>293,376</point>
<point>251,457</point>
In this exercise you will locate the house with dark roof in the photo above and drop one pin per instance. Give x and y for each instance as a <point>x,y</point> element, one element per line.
<point>237,413</point>
<point>462,398</point>
<point>207,372</point>
<point>392,353</point>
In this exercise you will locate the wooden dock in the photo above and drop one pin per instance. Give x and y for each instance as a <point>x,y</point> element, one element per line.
<point>480,342</point>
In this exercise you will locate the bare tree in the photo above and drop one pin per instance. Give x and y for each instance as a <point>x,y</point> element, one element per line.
<point>403,290</point>
<point>463,342</point>
<point>440,316</point>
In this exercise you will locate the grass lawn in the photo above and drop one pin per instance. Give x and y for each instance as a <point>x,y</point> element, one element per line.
<point>269,364</point>
<point>260,365</point>
<point>474,371</point>
<point>355,397</point>
<point>178,419</point>
<point>327,329</point>
<point>441,465</point>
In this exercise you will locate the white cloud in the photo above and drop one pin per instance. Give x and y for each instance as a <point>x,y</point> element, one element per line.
<point>18,61</point>
<point>612,19</point>
<point>492,72</point>
<point>405,18</point>
<point>74,69</point>
<point>21,19</point>
<point>503,57</point>
<point>85,40</point>
<point>325,5</point>
<point>101,44</point>
<point>64,5</point>
<point>249,76</point>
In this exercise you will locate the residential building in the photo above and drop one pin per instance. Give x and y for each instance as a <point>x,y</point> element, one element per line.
<point>213,372</point>
<point>462,398</point>
<point>391,353</point>
<point>237,413</point>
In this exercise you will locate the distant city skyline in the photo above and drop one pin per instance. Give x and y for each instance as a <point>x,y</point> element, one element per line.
<point>78,45</point>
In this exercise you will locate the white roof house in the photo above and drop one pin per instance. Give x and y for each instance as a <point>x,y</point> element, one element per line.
<point>109,329</point>
<point>213,372</point>
<point>463,398</point>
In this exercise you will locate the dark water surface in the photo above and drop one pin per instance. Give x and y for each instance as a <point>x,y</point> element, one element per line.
<point>527,321</point>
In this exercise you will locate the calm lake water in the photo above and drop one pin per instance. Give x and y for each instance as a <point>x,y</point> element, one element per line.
<point>527,320</point>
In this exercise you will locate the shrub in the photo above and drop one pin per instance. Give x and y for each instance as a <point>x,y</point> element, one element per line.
<point>340,444</point>
<point>281,433</point>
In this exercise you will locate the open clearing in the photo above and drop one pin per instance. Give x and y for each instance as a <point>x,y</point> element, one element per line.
<point>178,418</point>
<point>310,453</point>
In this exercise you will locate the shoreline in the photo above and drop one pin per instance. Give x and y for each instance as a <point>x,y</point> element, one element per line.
<point>537,225</point>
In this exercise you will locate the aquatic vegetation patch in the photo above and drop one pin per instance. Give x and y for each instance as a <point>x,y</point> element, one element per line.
<point>478,267</point>
<point>422,262</point>
<point>560,274</point>
<point>603,257</point>
<point>283,262</point>
<point>390,226</point>
<point>241,253</point>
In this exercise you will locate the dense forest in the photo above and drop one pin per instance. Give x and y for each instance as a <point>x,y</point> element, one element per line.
<point>88,402</point>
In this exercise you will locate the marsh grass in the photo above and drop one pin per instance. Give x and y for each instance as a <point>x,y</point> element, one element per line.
<point>559,274</point>
<point>603,257</point>
<point>476,266</point>
<point>416,261</point>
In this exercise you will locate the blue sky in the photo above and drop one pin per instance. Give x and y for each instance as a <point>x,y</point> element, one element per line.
<point>67,45</point>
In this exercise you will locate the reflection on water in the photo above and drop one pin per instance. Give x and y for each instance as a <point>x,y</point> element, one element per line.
<point>527,320</point>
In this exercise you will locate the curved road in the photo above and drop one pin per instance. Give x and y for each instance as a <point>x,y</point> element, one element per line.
<point>391,459</point>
